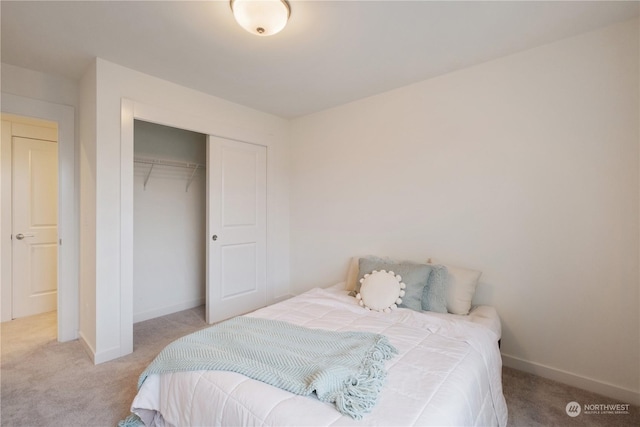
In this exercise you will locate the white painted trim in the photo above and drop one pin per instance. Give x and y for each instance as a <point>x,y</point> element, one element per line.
<point>126,227</point>
<point>152,314</point>
<point>208,294</point>
<point>87,347</point>
<point>133,110</point>
<point>637,402</point>
<point>585,383</point>
<point>68,285</point>
<point>6,289</point>
<point>107,355</point>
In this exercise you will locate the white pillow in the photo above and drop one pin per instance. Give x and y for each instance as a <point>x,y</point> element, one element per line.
<point>460,288</point>
<point>381,291</point>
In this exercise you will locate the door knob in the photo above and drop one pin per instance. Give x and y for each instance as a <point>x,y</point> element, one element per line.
<point>215,237</point>
<point>21,236</point>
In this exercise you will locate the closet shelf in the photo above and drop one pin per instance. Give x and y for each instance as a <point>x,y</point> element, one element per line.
<point>170,163</point>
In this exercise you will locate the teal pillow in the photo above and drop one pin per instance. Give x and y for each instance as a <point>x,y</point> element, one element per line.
<point>434,295</point>
<point>415,276</point>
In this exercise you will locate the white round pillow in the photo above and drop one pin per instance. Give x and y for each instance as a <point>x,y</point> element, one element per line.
<point>381,291</point>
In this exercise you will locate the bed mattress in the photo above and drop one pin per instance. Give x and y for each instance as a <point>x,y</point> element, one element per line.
<point>447,372</point>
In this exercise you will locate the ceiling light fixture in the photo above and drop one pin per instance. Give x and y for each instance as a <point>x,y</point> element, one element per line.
<point>261,17</point>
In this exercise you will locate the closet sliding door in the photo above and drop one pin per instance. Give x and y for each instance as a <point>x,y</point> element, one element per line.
<point>236,228</point>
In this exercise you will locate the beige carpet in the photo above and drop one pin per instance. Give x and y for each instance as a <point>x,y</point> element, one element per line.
<point>535,401</point>
<point>47,383</point>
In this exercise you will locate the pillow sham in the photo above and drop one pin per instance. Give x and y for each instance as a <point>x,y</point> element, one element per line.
<point>381,291</point>
<point>434,295</point>
<point>461,287</point>
<point>461,284</point>
<point>414,275</point>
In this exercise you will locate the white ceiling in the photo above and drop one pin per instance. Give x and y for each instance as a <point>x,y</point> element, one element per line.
<point>330,53</point>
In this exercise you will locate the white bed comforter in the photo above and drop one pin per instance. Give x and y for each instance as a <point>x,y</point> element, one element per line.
<point>447,372</point>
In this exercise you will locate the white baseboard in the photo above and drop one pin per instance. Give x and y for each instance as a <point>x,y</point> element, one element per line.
<point>103,356</point>
<point>109,355</point>
<point>163,311</point>
<point>605,389</point>
<point>91,352</point>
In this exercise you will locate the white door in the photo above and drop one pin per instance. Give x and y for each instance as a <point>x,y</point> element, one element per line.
<point>34,226</point>
<point>236,228</point>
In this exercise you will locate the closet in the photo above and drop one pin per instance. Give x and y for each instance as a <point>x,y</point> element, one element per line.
<point>169,237</point>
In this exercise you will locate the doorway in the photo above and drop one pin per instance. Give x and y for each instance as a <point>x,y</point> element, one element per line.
<point>186,183</point>
<point>31,148</point>
<point>169,220</point>
<point>67,211</point>
<point>235,238</point>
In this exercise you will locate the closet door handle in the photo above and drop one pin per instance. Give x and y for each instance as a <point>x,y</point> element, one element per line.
<point>215,237</point>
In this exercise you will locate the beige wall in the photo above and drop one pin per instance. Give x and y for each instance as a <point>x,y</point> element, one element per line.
<point>37,85</point>
<point>525,167</point>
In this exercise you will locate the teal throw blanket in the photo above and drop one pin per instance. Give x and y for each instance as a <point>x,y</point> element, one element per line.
<point>342,367</point>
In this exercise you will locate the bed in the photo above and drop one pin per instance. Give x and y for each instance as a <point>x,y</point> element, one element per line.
<point>447,372</point>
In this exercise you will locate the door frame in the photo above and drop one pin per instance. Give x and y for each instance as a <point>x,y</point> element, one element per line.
<point>68,286</point>
<point>134,110</point>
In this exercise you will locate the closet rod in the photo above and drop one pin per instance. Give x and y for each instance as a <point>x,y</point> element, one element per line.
<point>172,163</point>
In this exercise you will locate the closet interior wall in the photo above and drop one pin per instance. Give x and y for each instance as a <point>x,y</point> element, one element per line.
<point>169,220</point>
